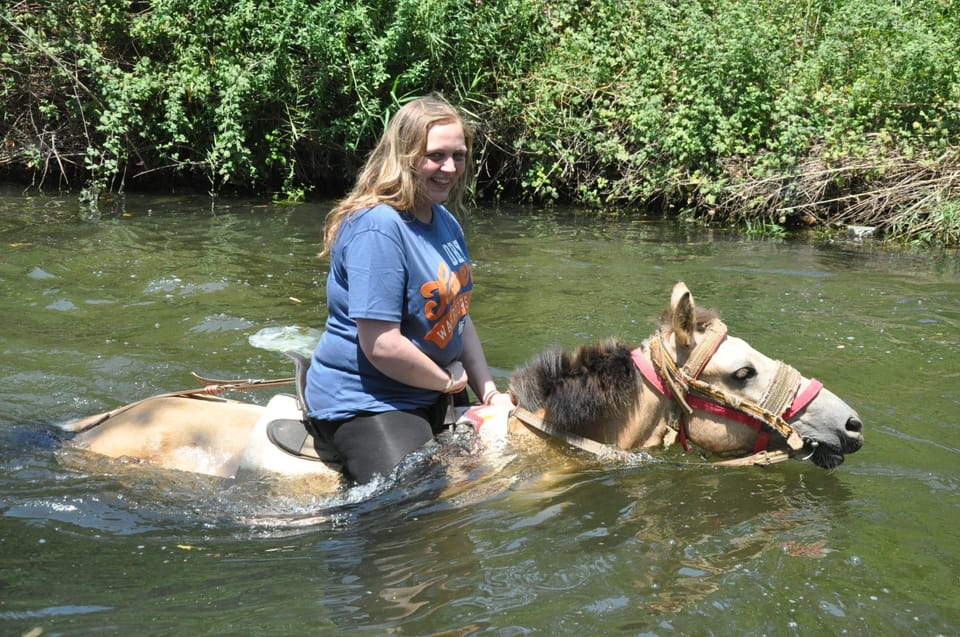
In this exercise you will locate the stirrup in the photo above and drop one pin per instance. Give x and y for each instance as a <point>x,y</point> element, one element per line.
<point>294,437</point>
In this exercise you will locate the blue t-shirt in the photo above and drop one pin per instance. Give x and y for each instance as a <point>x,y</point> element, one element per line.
<point>388,266</point>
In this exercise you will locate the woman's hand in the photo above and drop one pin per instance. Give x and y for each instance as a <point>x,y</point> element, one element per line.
<point>495,398</point>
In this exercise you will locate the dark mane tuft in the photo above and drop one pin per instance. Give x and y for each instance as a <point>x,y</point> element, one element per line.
<point>578,389</point>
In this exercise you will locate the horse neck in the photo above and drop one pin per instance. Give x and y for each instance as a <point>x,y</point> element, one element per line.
<point>646,425</point>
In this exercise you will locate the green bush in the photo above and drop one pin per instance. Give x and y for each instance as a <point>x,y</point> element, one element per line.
<point>248,94</point>
<point>640,102</point>
<point>779,110</point>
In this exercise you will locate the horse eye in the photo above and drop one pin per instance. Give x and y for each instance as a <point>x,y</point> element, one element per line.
<point>744,373</point>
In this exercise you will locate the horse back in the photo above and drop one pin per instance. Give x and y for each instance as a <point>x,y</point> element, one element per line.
<point>202,435</point>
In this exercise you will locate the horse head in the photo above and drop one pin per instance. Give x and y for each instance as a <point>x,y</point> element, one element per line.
<point>692,381</point>
<point>746,393</point>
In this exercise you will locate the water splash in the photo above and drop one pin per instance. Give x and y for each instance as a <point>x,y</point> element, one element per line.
<point>286,338</point>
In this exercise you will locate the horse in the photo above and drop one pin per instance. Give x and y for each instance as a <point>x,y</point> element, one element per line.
<point>199,431</point>
<point>690,382</point>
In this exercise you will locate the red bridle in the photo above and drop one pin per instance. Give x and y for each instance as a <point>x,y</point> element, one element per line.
<point>782,399</point>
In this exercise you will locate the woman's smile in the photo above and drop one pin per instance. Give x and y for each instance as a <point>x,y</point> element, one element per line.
<point>443,163</point>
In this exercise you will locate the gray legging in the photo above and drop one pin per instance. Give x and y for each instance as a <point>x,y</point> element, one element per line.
<point>373,444</point>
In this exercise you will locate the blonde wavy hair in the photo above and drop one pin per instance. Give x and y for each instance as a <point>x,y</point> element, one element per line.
<point>389,174</point>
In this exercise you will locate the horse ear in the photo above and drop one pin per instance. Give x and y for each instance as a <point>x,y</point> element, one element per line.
<point>684,315</point>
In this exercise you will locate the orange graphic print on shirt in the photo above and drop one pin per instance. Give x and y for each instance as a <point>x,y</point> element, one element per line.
<point>448,303</point>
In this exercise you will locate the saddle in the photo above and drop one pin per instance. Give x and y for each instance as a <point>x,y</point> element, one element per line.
<point>299,437</point>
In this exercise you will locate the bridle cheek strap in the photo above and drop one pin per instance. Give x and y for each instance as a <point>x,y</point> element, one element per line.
<point>799,403</point>
<point>763,435</point>
<point>649,373</point>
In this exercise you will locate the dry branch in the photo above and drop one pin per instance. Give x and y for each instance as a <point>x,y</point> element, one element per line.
<point>873,191</point>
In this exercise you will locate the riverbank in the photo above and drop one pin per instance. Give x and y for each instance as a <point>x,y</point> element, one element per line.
<point>906,199</point>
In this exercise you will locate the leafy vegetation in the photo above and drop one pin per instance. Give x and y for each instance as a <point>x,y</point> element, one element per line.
<point>765,113</point>
<point>245,94</point>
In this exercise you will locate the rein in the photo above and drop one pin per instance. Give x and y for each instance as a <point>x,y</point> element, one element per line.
<point>211,388</point>
<point>603,451</point>
<point>780,402</point>
<point>214,387</point>
<point>599,449</point>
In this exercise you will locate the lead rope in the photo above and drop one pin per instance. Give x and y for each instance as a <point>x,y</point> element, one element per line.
<point>678,380</point>
<point>673,378</point>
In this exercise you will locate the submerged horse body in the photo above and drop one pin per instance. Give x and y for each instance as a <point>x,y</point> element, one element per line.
<point>209,435</point>
<point>690,383</point>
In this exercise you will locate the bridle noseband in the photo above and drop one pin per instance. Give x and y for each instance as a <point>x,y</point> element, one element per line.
<point>781,401</point>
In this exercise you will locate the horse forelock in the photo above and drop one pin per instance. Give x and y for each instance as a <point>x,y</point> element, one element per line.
<point>703,317</point>
<point>578,389</point>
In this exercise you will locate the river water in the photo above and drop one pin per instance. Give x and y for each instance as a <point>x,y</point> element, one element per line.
<point>98,310</point>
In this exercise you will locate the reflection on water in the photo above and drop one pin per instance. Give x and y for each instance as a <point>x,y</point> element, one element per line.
<point>101,312</point>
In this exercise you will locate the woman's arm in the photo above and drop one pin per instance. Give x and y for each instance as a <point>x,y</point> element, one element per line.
<point>475,362</point>
<point>397,357</point>
<point>478,371</point>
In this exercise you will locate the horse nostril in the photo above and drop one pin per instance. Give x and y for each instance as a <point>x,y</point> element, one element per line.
<point>854,425</point>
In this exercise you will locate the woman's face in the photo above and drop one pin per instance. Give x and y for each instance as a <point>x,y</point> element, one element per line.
<point>444,161</point>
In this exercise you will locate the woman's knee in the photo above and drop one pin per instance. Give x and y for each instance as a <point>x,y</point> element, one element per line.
<point>375,444</point>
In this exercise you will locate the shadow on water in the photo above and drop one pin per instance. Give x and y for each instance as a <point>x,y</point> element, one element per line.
<point>597,544</point>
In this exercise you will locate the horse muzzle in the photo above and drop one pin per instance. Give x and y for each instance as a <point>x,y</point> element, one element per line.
<point>829,451</point>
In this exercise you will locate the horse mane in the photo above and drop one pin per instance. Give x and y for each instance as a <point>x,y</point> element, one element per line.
<point>594,384</point>
<point>578,389</point>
